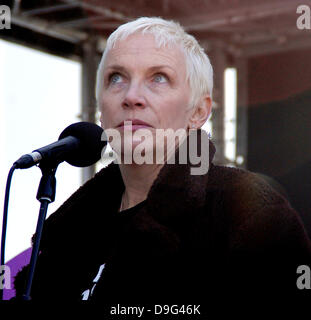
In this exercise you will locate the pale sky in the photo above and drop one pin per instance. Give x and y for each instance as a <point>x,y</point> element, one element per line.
<point>39,97</point>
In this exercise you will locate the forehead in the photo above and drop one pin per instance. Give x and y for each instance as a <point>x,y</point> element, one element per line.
<point>141,49</point>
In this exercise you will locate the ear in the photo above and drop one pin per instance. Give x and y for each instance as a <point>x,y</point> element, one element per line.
<point>201,112</point>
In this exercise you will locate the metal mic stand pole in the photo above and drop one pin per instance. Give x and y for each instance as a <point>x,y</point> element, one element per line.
<point>45,195</point>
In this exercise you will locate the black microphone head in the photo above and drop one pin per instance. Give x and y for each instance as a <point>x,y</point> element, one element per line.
<point>92,142</point>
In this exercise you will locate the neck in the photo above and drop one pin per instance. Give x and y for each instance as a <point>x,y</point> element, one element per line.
<point>138,180</point>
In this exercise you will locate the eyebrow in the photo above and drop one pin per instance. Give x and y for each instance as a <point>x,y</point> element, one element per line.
<point>153,68</point>
<point>116,67</point>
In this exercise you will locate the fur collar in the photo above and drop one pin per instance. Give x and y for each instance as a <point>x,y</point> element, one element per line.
<point>174,191</point>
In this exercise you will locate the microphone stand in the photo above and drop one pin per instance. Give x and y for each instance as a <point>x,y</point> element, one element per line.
<point>45,195</point>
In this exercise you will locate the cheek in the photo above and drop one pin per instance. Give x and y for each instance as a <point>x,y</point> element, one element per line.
<point>172,107</point>
<point>108,113</point>
<point>173,114</point>
<point>106,119</point>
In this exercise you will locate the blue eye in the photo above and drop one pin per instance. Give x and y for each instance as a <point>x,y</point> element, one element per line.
<point>160,78</point>
<point>115,78</point>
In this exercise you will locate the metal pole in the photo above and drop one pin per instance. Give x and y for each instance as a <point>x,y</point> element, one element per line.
<point>89,67</point>
<point>242,111</point>
<point>219,62</point>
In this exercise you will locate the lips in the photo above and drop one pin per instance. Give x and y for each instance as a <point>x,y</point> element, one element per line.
<point>136,123</point>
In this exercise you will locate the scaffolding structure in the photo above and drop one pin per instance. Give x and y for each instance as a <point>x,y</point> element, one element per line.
<point>230,31</point>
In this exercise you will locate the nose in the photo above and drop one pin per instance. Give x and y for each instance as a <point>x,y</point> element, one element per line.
<point>134,96</point>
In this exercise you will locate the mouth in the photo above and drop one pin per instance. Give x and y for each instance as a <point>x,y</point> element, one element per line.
<point>133,124</point>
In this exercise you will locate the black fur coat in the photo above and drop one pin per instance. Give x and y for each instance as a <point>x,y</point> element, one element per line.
<point>223,234</point>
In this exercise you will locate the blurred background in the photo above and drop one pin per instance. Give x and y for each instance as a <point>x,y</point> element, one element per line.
<point>261,120</point>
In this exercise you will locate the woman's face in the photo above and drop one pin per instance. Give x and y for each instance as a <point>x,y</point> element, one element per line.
<point>146,83</point>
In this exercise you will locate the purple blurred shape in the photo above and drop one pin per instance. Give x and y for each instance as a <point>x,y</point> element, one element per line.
<point>16,264</point>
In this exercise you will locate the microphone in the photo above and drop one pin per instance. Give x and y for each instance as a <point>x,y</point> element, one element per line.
<point>80,144</point>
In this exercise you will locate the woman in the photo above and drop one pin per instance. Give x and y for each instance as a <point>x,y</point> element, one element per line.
<point>151,232</point>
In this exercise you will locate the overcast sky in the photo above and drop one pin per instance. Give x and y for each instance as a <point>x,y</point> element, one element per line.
<point>39,97</point>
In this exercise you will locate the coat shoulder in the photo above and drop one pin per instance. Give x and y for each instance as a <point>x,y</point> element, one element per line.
<point>244,189</point>
<point>258,215</point>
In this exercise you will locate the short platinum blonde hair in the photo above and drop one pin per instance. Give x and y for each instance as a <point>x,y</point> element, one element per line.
<point>198,66</point>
